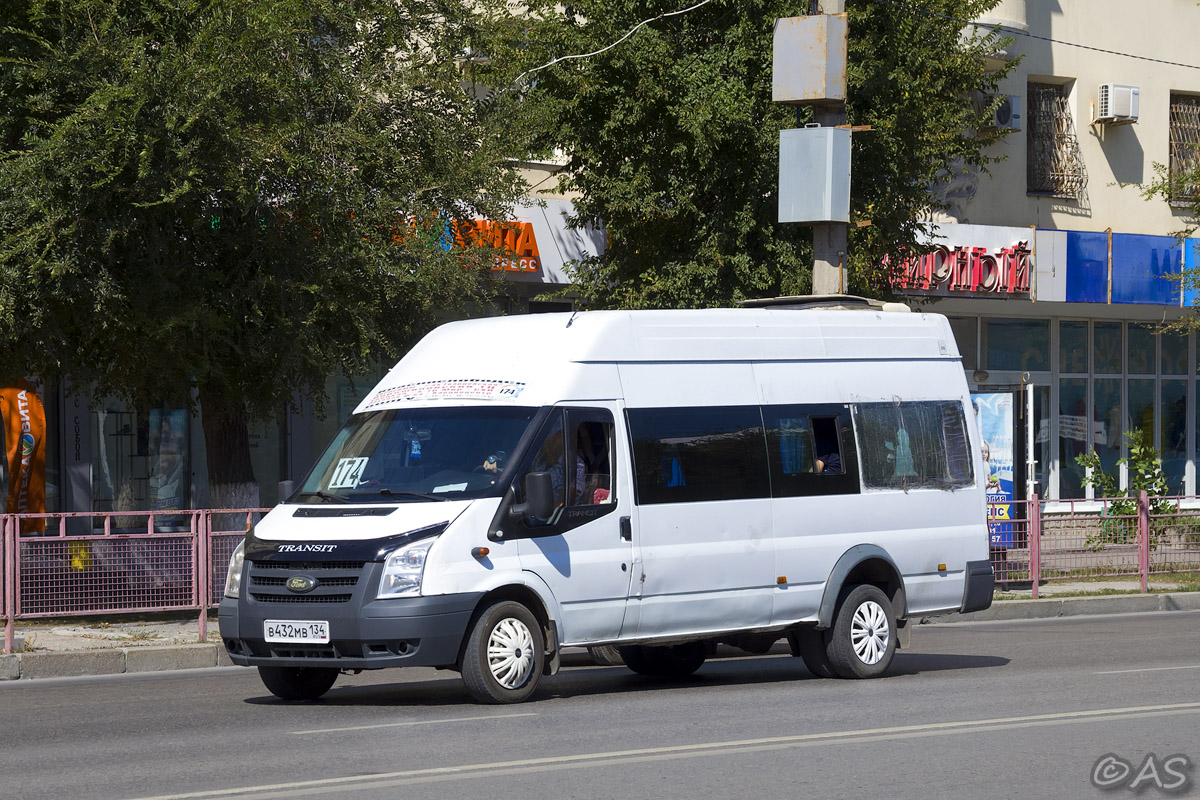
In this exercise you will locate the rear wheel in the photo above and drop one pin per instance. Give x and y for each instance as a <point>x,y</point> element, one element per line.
<point>505,654</point>
<point>670,661</point>
<point>862,641</point>
<point>297,683</point>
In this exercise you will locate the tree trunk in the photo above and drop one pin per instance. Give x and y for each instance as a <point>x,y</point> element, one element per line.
<point>227,441</point>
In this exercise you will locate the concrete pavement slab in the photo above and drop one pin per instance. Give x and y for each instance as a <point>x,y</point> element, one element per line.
<point>72,664</point>
<point>156,659</point>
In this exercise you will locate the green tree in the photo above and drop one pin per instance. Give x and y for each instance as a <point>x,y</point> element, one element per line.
<point>226,201</point>
<point>672,140</point>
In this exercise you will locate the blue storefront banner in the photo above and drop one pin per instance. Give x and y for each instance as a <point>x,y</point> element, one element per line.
<point>1141,272</point>
<point>994,414</point>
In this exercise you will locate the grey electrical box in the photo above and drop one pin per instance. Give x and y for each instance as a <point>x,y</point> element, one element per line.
<point>809,59</point>
<point>814,175</point>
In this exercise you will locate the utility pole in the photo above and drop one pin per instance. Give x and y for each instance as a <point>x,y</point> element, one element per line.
<point>810,61</point>
<point>829,238</point>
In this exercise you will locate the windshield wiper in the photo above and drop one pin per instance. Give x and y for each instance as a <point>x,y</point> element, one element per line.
<point>420,495</point>
<point>328,498</point>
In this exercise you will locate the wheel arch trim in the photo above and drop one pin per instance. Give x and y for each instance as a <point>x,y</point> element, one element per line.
<point>871,563</point>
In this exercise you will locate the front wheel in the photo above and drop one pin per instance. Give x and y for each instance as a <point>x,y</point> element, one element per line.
<point>297,683</point>
<point>862,641</point>
<point>505,654</point>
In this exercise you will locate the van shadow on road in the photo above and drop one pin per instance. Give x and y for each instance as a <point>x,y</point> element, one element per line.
<point>591,681</point>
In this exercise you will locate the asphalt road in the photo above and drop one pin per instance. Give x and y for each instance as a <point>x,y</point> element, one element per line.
<point>976,710</point>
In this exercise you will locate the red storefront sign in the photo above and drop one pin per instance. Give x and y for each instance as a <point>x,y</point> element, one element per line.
<point>961,270</point>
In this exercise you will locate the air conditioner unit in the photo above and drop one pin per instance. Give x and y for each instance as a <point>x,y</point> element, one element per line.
<point>1116,103</point>
<point>1008,113</point>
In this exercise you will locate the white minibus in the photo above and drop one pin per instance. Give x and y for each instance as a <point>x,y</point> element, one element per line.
<point>654,481</point>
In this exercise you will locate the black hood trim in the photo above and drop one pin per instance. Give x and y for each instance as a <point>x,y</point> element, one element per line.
<point>333,550</point>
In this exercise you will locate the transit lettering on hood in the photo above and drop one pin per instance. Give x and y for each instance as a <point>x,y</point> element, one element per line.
<point>307,548</point>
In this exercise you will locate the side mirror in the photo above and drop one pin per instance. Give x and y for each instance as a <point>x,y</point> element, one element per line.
<point>539,498</point>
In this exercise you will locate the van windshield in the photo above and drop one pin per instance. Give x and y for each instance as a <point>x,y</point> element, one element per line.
<point>417,454</point>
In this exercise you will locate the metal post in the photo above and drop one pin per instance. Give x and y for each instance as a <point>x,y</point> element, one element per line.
<point>204,569</point>
<point>1035,542</point>
<point>1144,540</point>
<point>829,239</point>
<point>10,604</point>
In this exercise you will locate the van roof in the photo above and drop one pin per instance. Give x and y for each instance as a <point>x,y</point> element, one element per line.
<point>517,349</point>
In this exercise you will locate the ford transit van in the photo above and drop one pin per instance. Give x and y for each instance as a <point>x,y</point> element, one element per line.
<point>650,480</point>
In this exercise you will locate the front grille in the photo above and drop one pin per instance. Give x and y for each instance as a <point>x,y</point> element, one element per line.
<point>301,598</point>
<point>301,566</point>
<point>335,581</point>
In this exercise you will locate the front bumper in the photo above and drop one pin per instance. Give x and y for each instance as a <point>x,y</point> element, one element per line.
<point>981,581</point>
<point>376,634</point>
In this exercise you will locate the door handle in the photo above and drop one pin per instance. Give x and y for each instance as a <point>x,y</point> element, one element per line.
<point>627,529</point>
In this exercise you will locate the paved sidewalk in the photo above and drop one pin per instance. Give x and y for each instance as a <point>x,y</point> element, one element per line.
<point>98,646</point>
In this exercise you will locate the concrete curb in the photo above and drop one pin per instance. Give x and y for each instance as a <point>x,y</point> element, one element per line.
<point>113,661</point>
<point>122,660</point>
<point>1051,607</point>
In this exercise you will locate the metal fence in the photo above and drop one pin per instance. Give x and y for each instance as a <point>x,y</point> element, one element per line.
<point>1127,538</point>
<point>68,565</point>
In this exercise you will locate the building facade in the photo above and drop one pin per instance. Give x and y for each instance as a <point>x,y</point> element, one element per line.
<point>1056,271</point>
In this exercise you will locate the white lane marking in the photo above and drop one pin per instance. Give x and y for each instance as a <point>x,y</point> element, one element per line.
<point>551,763</point>
<point>1145,669</point>
<point>410,722</point>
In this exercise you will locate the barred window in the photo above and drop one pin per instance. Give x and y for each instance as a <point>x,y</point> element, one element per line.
<point>1185,147</point>
<point>1054,163</point>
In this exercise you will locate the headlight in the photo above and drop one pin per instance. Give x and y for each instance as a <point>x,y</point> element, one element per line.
<point>403,570</point>
<point>233,578</point>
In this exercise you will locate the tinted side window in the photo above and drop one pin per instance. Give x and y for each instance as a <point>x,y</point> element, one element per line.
<point>811,450</point>
<point>685,455</point>
<point>914,445</point>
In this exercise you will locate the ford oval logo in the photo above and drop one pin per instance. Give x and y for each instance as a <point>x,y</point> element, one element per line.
<point>301,584</point>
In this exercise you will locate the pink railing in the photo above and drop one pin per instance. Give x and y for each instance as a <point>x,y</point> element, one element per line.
<point>68,565</point>
<point>1137,538</point>
<point>144,561</point>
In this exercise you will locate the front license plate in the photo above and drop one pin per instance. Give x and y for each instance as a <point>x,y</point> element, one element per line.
<point>296,631</point>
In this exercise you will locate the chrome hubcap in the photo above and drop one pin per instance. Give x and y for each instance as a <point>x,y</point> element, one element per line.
<point>510,653</point>
<point>869,632</point>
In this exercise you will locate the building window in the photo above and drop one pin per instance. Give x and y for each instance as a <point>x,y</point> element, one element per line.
<point>1185,146</point>
<point>1055,166</point>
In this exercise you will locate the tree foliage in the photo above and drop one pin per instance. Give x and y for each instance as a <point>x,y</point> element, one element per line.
<point>235,197</point>
<point>672,139</point>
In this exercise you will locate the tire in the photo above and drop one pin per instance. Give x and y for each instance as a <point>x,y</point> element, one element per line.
<point>297,683</point>
<point>671,661</point>
<point>606,655</point>
<point>505,654</point>
<point>862,641</point>
<point>811,645</point>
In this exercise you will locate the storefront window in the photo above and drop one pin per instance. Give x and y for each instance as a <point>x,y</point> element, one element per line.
<point>140,460</point>
<point>1174,349</point>
<point>1016,344</point>
<point>966,334</point>
<point>1141,350</point>
<point>1107,426</point>
<point>1072,436</point>
<point>1106,339</point>
<point>1141,407</point>
<point>1072,346</point>
<point>1174,433</point>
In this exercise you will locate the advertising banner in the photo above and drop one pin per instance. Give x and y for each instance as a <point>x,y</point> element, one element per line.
<point>994,413</point>
<point>25,436</point>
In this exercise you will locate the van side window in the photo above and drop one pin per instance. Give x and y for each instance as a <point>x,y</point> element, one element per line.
<point>811,450</point>
<point>687,455</point>
<point>914,445</point>
<point>592,453</point>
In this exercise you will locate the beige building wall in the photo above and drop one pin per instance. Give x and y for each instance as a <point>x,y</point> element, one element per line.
<point>1118,159</point>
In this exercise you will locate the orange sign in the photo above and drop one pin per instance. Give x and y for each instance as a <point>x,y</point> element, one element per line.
<point>24,422</point>
<point>517,246</point>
